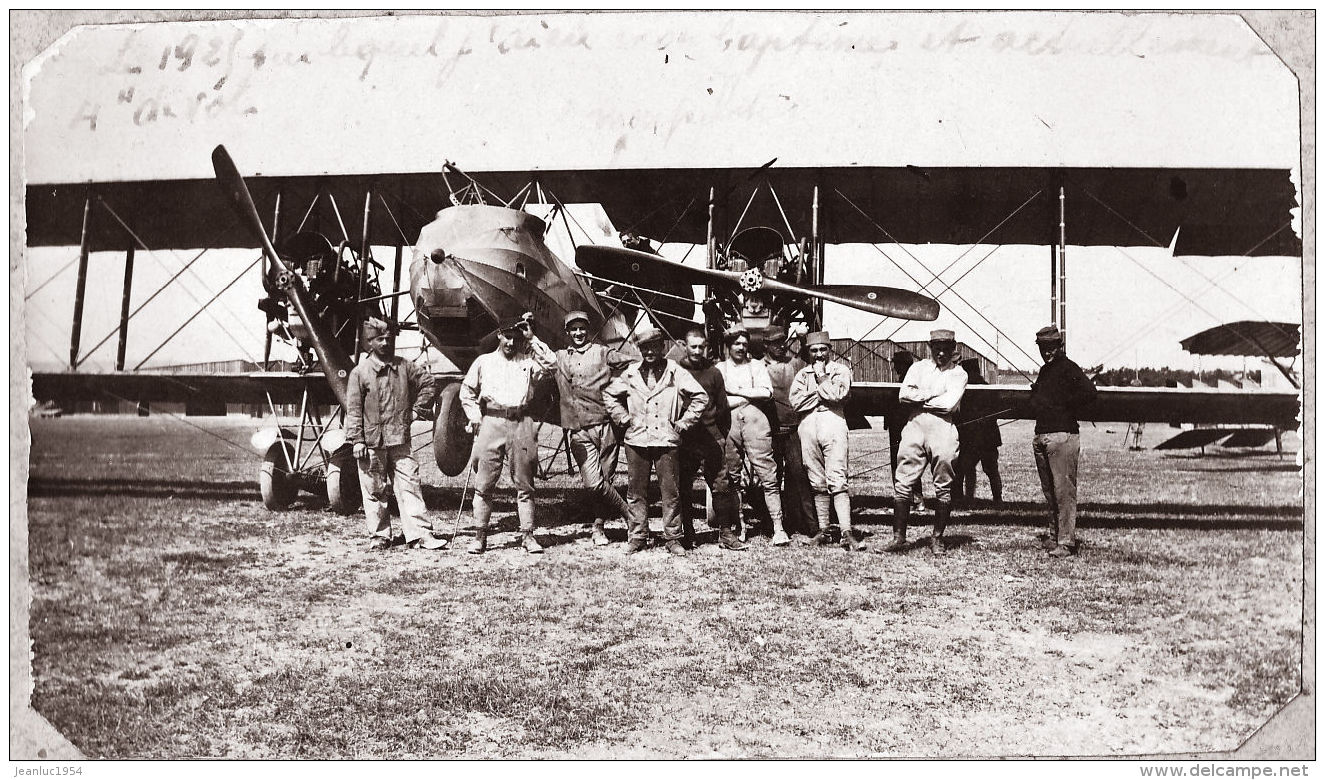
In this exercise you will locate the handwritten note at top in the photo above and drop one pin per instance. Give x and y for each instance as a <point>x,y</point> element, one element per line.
<point>190,73</point>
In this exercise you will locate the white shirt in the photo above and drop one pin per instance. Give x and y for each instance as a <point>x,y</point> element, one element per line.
<point>750,378</point>
<point>937,390</point>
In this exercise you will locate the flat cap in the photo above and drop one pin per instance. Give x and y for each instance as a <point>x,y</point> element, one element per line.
<point>1048,333</point>
<point>647,335</point>
<point>576,316</point>
<point>942,334</point>
<point>374,326</point>
<point>734,332</point>
<point>818,337</point>
<point>775,333</point>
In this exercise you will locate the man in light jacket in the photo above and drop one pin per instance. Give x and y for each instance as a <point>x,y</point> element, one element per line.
<point>819,393</point>
<point>932,390</point>
<point>656,402</point>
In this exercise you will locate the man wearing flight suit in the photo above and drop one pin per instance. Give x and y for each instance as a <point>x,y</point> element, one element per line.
<point>583,370</point>
<point>933,388</point>
<point>748,384</point>
<point>384,395</point>
<point>705,445</point>
<point>1058,394</point>
<point>797,498</point>
<point>496,395</point>
<point>818,394</point>
<point>656,401</point>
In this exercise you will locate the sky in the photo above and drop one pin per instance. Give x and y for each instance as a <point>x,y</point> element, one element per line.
<point>556,91</point>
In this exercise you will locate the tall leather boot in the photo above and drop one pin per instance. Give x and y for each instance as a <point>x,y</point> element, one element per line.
<point>525,511</point>
<point>941,514</point>
<point>901,516</point>
<point>823,510</point>
<point>482,515</point>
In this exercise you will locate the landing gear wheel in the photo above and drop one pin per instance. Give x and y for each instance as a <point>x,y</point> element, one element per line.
<point>275,481</point>
<point>451,443</point>
<point>342,481</point>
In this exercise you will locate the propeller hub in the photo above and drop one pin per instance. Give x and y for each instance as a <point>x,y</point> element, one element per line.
<point>752,280</point>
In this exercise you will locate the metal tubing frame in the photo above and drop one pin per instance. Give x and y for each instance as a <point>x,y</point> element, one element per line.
<point>84,250</point>
<point>1062,263</point>
<point>124,309</point>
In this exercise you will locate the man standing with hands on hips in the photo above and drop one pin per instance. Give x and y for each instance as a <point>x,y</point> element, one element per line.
<point>933,389</point>
<point>496,395</point>
<point>1059,393</point>
<point>384,395</point>
<point>819,393</point>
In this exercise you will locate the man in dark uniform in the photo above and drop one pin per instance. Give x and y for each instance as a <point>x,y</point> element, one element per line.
<point>705,446</point>
<point>980,439</point>
<point>1060,392</point>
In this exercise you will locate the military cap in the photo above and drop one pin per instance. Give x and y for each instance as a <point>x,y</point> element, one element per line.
<point>511,325</point>
<point>576,316</point>
<point>818,337</point>
<point>942,334</point>
<point>1048,334</point>
<point>373,326</point>
<point>648,335</point>
<point>775,333</point>
<point>735,332</point>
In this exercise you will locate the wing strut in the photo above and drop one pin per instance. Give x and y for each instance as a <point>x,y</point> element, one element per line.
<point>84,245</point>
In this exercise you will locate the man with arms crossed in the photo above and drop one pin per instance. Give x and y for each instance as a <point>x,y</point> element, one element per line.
<point>819,394</point>
<point>747,382</point>
<point>933,388</point>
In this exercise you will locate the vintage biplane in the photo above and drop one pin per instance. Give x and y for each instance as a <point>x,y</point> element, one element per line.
<point>481,259</point>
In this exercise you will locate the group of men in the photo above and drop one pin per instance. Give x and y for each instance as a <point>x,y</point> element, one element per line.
<point>775,423</point>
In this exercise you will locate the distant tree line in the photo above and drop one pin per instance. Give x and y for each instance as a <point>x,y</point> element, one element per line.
<point>1169,377</point>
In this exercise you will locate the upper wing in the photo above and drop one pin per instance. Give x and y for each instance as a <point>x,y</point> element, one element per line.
<point>254,388</point>
<point>1113,404</point>
<point>1229,211</point>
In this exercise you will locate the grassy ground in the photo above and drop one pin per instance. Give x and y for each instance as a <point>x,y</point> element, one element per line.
<point>174,617</point>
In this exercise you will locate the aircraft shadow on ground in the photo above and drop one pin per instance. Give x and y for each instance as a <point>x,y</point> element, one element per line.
<point>570,507</point>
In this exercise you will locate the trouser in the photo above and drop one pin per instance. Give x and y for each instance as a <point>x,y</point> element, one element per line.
<point>824,451</point>
<point>928,440</point>
<point>595,449</point>
<point>513,442</point>
<point>396,465</point>
<point>1056,457</point>
<point>640,462</point>
<point>704,447</point>
<point>750,436</point>
<point>895,443</point>
<point>987,459</point>
<point>797,496</point>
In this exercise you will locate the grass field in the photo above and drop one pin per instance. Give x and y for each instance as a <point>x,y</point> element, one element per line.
<point>174,617</point>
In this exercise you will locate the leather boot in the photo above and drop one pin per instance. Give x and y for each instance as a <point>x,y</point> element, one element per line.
<point>842,505</point>
<point>525,511</point>
<point>941,514</point>
<point>482,515</point>
<point>823,510</point>
<point>600,533</point>
<point>901,516</point>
